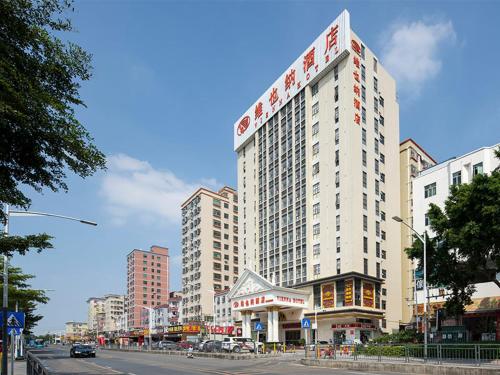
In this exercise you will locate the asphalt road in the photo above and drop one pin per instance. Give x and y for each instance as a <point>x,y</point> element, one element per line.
<point>130,363</point>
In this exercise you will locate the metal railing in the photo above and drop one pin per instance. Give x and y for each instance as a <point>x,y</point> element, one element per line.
<point>34,366</point>
<point>457,354</point>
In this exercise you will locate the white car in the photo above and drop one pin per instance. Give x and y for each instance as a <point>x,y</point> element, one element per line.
<point>239,344</point>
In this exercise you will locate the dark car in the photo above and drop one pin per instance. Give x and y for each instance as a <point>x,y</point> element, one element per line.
<point>82,351</point>
<point>168,345</point>
<point>213,346</point>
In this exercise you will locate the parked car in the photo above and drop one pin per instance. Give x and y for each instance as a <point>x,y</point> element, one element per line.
<point>213,346</point>
<point>168,345</point>
<point>184,345</point>
<point>239,344</point>
<point>200,345</point>
<point>82,351</point>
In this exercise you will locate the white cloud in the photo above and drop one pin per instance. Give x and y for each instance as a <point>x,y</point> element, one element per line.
<point>132,188</point>
<point>411,52</point>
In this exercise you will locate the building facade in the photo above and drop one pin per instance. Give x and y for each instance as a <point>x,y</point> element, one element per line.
<point>210,260</point>
<point>413,160</point>
<point>175,308</point>
<point>482,318</point>
<point>318,178</point>
<point>114,310</point>
<point>95,313</point>
<point>76,331</point>
<point>147,284</point>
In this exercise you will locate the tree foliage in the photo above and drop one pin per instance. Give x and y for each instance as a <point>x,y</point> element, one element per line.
<point>465,247</point>
<point>40,77</point>
<point>27,299</point>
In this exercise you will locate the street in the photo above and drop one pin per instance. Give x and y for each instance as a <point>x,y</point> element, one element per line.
<point>130,363</point>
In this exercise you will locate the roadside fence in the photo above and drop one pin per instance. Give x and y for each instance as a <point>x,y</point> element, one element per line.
<point>459,354</point>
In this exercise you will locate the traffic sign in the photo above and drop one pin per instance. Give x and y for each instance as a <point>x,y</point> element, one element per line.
<point>259,326</point>
<point>17,331</point>
<point>306,323</point>
<point>15,319</point>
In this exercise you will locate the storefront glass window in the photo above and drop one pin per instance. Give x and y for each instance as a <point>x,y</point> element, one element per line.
<point>340,293</point>
<point>357,292</point>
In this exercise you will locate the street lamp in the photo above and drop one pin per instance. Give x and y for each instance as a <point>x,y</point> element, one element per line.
<point>8,214</point>
<point>424,241</point>
<point>213,311</point>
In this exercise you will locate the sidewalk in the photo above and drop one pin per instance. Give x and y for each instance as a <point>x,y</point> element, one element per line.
<point>19,367</point>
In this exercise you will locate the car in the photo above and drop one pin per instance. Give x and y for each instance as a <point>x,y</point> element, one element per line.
<point>184,345</point>
<point>239,344</point>
<point>200,345</point>
<point>168,345</point>
<point>213,346</point>
<point>82,351</point>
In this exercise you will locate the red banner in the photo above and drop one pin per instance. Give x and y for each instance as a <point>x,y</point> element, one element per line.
<point>328,295</point>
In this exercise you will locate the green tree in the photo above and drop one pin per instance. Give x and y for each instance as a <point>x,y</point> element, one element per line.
<point>40,77</point>
<point>465,248</point>
<point>22,296</point>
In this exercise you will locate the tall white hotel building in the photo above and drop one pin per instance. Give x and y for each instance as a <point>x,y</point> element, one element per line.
<point>318,183</point>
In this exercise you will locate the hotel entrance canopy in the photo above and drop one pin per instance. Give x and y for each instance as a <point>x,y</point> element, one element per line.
<point>252,293</point>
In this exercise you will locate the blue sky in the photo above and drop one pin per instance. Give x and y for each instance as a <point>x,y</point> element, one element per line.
<point>171,78</point>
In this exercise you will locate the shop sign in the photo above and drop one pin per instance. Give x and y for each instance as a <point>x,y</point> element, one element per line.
<point>353,325</point>
<point>328,295</point>
<point>331,45</point>
<point>291,325</point>
<point>256,301</point>
<point>221,330</point>
<point>175,329</point>
<point>191,328</point>
<point>368,294</point>
<point>348,292</point>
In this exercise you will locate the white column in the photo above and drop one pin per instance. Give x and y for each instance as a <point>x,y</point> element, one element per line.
<point>249,324</point>
<point>270,328</point>
<point>243,323</point>
<point>275,326</point>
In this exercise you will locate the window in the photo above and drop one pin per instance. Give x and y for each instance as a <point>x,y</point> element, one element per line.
<point>363,94</point>
<point>337,201</point>
<point>381,101</point>
<point>384,254</point>
<point>377,208</point>
<point>457,178</point>
<point>336,72</point>
<point>338,244</point>
<point>381,120</point>
<point>477,169</point>
<point>363,136</point>
<point>365,179</point>
<point>382,177</point>
<point>337,116</point>
<point>316,269</point>
<point>365,244</point>
<point>375,84</point>
<point>375,126</point>
<point>378,270</point>
<point>377,167</point>
<point>363,73</point>
<point>377,249</point>
<point>382,215</point>
<point>363,51</point>
<point>315,109</point>
<point>337,159</point>
<point>375,105</point>
<point>316,297</point>
<point>337,136</point>
<point>377,228</point>
<point>382,158</point>
<point>365,266</point>
<point>315,148</point>
<point>316,249</point>
<point>375,65</point>
<point>337,222</point>
<point>384,274</point>
<point>315,129</point>
<point>337,179</point>
<point>316,188</point>
<point>314,89</point>
<point>427,221</point>
<point>365,223</point>
<point>382,139</point>
<point>316,209</point>
<point>363,115</point>
<point>336,93</point>
<point>384,305</point>
<point>363,157</point>
<point>430,190</point>
<point>365,201</point>
<point>316,229</point>
<point>315,169</point>
<point>338,266</point>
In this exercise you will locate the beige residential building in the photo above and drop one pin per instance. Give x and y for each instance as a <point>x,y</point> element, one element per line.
<point>318,181</point>
<point>114,310</point>
<point>209,249</point>
<point>76,331</point>
<point>95,314</point>
<point>413,160</point>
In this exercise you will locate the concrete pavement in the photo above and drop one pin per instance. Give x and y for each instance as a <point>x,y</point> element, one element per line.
<point>130,363</point>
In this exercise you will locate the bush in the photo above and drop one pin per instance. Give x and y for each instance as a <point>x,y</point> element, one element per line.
<point>383,350</point>
<point>410,336</point>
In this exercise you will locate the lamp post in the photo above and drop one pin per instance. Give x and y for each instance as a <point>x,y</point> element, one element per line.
<point>213,312</point>
<point>424,241</point>
<point>8,214</point>
<point>150,323</point>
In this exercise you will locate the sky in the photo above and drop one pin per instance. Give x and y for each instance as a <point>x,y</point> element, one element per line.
<point>171,78</point>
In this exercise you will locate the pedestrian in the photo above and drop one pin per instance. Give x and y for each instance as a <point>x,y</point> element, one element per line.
<point>190,352</point>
